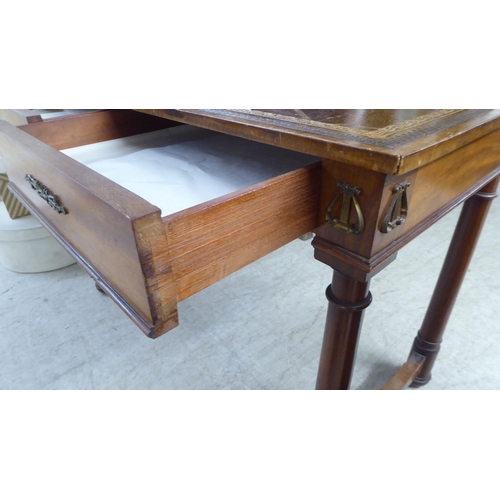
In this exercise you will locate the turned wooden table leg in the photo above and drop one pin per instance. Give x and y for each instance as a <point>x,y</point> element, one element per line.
<point>347,300</point>
<point>470,223</point>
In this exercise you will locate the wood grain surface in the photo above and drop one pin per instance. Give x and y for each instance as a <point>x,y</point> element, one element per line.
<point>212,240</point>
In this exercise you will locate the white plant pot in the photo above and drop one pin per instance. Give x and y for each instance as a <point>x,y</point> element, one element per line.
<point>27,247</point>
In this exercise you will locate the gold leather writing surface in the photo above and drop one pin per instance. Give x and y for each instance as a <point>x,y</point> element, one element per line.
<point>369,122</point>
<point>377,127</point>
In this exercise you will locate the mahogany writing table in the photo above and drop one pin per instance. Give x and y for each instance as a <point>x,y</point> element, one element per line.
<point>380,179</point>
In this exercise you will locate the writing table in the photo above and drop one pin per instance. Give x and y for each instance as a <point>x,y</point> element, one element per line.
<point>379,179</point>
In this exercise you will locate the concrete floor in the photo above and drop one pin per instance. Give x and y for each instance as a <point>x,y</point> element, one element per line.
<point>260,328</point>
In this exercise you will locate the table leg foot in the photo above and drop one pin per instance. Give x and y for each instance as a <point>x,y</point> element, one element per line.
<point>429,350</point>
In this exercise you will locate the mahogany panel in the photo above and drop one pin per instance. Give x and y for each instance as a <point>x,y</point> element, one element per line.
<point>435,189</point>
<point>439,187</point>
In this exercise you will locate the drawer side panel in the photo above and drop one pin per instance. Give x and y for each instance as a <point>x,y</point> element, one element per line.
<point>220,237</point>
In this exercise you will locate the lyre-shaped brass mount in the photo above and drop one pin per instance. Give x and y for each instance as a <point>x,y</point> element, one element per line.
<point>398,208</point>
<point>349,194</point>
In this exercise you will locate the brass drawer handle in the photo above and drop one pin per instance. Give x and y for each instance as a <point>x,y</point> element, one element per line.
<point>349,194</point>
<point>47,195</point>
<point>398,208</point>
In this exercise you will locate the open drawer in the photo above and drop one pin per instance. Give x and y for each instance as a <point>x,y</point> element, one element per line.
<point>147,260</point>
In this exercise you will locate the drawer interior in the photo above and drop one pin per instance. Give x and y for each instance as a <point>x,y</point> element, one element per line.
<point>225,201</point>
<point>181,167</point>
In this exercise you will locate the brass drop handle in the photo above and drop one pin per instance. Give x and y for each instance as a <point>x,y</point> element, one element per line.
<point>46,194</point>
<point>349,197</point>
<point>398,208</point>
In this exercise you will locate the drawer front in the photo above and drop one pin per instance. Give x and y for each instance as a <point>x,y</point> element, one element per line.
<point>110,231</point>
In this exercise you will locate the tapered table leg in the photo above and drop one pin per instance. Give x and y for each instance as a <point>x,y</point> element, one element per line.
<point>428,340</point>
<point>347,300</point>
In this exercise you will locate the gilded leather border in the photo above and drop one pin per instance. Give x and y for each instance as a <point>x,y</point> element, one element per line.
<point>387,137</point>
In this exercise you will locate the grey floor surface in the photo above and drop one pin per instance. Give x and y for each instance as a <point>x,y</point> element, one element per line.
<point>260,328</point>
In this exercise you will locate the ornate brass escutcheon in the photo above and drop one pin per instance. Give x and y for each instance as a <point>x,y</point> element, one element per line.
<point>398,208</point>
<point>349,194</point>
<point>45,194</point>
